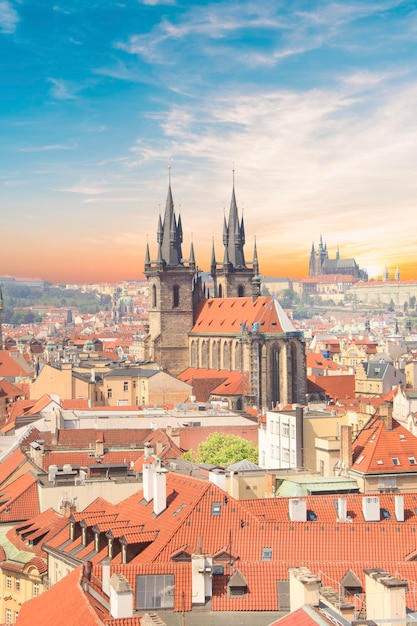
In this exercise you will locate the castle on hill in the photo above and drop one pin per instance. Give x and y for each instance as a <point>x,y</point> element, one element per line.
<point>321,265</point>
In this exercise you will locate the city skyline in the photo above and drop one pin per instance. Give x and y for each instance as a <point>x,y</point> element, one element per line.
<point>312,105</point>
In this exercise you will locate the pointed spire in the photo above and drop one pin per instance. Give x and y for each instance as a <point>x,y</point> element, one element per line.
<point>170,233</point>
<point>255,259</point>
<point>192,256</point>
<point>160,231</point>
<point>234,233</point>
<point>213,263</point>
<point>147,256</point>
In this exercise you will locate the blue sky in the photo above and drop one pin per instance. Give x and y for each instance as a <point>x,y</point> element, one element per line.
<point>314,104</point>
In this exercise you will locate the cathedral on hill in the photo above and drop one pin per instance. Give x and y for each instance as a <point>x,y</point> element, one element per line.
<point>321,265</point>
<point>232,334</point>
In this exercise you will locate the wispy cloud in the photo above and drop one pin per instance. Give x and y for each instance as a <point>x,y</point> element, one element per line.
<point>62,90</point>
<point>8,17</point>
<point>48,148</point>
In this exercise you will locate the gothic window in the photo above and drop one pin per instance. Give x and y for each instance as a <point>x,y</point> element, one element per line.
<point>275,376</point>
<point>204,355</point>
<point>194,354</point>
<point>215,355</point>
<point>293,373</point>
<point>175,296</point>
<point>238,356</point>
<point>153,296</point>
<point>226,356</point>
<point>240,291</point>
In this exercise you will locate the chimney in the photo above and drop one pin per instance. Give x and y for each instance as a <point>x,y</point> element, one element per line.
<point>399,507</point>
<point>385,412</point>
<point>345,446</point>
<point>159,490</point>
<point>385,597</point>
<point>304,588</point>
<point>148,450</point>
<point>342,509</point>
<point>105,576</point>
<point>87,567</point>
<point>370,509</point>
<point>100,445</point>
<point>147,479</point>
<point>297,509</point>
<point>121,597</point>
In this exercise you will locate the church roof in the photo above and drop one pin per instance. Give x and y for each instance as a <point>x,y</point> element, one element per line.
<point>234,315</point>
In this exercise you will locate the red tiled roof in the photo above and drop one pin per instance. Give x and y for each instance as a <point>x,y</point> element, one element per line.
<point>19,499</point>
<point>336,387</point>
<point>62,600</point>
<point>376,448</point>
<point>226,315</point>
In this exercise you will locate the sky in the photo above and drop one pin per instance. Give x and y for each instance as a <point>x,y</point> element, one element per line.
<point>311,106</point>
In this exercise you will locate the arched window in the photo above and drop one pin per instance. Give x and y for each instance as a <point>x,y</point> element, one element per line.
<point>175,296</point>
<point>204,355</point>
<point>215,356</point>
<point>293,373</point>
<point>240,291</point>
<point>226,356</point>
<point>153,296</point>
<point>238,356</point>
<point>194,354</point>
<point>275,376</point>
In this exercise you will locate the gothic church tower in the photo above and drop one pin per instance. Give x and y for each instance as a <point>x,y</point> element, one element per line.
<point>174,288</point>
<point>233,278</point>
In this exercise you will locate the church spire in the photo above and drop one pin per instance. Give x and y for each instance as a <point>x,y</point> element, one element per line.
<point>234,234</point>
<point>256,280</point>
<point>169,234</point>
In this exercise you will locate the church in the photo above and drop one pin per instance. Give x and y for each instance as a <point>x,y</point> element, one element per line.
<point>234,329</point>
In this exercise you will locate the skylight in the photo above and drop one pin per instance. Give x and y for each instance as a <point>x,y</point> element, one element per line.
<point>396,460</point>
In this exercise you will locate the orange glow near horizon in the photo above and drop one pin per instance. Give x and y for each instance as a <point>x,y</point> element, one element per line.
<point>91,267</point>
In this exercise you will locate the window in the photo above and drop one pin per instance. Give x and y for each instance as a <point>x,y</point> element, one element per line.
<point>17,584</point>
<point>285,430</point>
<point>8,582</point>
<point>134,384</point>
<point>412,460</point>
<point>396,460</point>
<point>8,616</point>
<point>216,508</point>
<point>109,393</point>
<point>155,591</point>
<point>272,451</point>
<point>125,386</point>
<point>266,554</point>
<point>385,514</point>
<point>16,615</point>
<point>35,590</point>
<point>175,297</point>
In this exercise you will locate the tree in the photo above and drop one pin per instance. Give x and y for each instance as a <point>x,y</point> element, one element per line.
<point>224,450</point>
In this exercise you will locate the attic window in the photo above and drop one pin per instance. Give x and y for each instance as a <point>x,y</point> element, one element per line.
<point>385,514</point>
<point>396,460</point>
<point>412,460</point>
<point>216,508</point>
<point>361,458</point>
<point>180,508</point>
<point>266,554</point>
<point>380,462</point>
<point>311,516</point>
